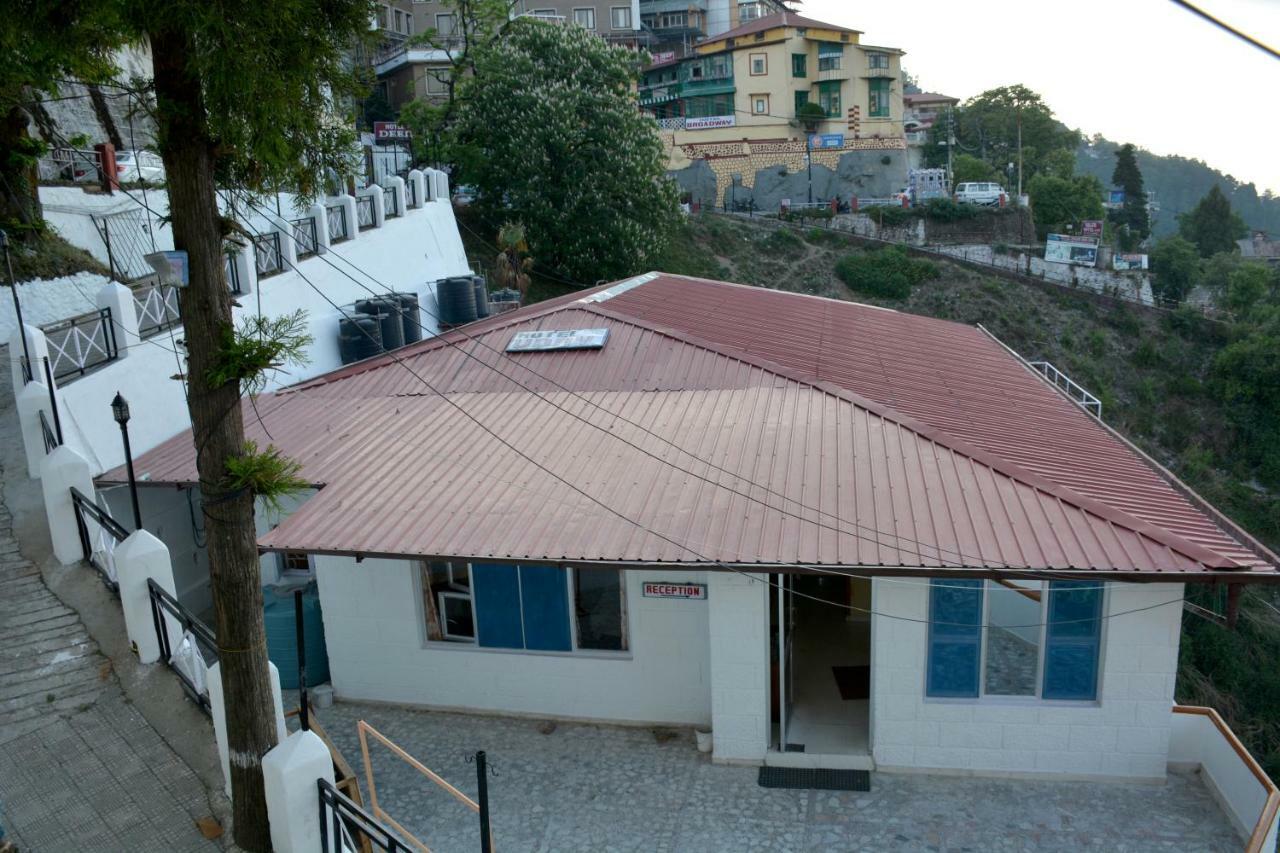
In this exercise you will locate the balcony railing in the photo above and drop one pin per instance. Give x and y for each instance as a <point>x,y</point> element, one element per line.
<point>267,254</point>
<point>878,71</point>
<point>364,212</point>
<point>157,307</point>
<point>304,236</point>
<point>338,228</point>
<point>389,206</point>
<point>1200,737</point>
<point>82,342</point>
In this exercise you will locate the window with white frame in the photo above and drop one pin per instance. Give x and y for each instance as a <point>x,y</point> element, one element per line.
<point>1014,638</point>
<point>295,564</point>
<point>529,608</point>
<point>585,17</point>
<point>759,64</point>
<point>620,17</point>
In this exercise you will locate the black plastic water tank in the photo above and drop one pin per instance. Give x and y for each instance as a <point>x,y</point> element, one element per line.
<point>387,310</point>
<point>482,296</point>
<point>412,317</point>
<point>456,298</point>
<point>358,338</point>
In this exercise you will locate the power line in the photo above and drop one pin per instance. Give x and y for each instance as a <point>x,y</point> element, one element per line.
<point>1223,25</point>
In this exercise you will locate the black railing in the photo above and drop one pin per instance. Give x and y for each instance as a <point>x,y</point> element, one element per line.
<point>337,218</point>
<point>411,192</point>
<point>341,818</point>
<point>233,275</point>
<point>266,250</point>
<point>48,434</point>
<point>163,607</point>
<point>157,309</point>
<point>79,343</point>
<point>304,236</point>
<point>364,212</point>
<point>129,237</point>
<point>25,366</point>
<point>389,205</point>
<point>87,511</point>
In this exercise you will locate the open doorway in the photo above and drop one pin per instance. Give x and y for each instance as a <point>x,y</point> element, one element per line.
<point>821,661</point>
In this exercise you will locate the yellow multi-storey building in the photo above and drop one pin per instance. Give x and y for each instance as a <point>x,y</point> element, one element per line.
<point>730,112</point>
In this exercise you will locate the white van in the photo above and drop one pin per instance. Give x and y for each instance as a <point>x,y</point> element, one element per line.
<point>979,192</point>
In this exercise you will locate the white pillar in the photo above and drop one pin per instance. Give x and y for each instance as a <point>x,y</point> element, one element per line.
<point>738,607</point>
<point>430,184</point>
<point>289,774</point>
<point>348,204</point>
<point>59,472</point>
<point>39,348</point>
<point>218,710</point>
<point>33,398</point>
<point>442,187</point>
<point>419,188</point>
<point>288,246</point>
<point>395,183</point>
<point>320,215</point>
<point>379,209</point>
<point>124,315</point>
<point>245,262</point>
<point>137,558</point>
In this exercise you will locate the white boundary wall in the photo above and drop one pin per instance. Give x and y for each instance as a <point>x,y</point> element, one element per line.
<point>1123,735</point>
<point>1196,742</point>
<point>407,254</point>
<point>376,636</point>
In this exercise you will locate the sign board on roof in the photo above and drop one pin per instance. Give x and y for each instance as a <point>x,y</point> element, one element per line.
<point>1069,249</point>
<point>662,589</point>
<point>1091,228</point>
<point>541,341</point>
<point>389,131</point>
<point>708,122</point>
<point>1115,197</point>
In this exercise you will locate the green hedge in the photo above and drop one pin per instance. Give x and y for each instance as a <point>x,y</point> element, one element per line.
<point>889,272</point>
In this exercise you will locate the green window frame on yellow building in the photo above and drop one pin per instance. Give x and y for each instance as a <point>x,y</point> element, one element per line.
<point>799,65</point>
<point>878,100</point>
<point>829,98</point>
<point>802,98</point>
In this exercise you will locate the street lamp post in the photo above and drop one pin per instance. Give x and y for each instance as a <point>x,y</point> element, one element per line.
<point>120,411</point>
<point>17,305</point>
<point>808,162</point>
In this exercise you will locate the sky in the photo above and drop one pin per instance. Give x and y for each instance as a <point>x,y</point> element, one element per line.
<point>1140,71</point>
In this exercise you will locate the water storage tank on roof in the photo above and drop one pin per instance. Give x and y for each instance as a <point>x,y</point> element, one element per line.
<point>412,317</point>
<point>456,298</point>
<point>386,309</point>
<point>282,636</point>
<point>482,296</point>
<point>359,338</point>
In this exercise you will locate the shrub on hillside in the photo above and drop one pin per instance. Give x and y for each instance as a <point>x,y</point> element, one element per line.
<point>946,210</point>
<point>784,242</point>
<point>890,272</point>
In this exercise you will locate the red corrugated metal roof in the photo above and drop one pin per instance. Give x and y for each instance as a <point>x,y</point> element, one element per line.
<point>777,19</point>
<point>735,424</point>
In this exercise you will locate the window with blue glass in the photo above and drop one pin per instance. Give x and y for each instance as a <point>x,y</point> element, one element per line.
<point>1014,638</point>
<point>530,608</point>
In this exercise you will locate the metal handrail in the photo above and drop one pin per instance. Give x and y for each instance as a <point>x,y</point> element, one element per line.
<point>337,214</point>
<point>74,350</point>
<point>233,276</point>
<point>25,366</point>
<point>157,308</point>
<point>365,216</point>
<point>389,202</point>
<point>348,815</point>
<point>267,255</point>
<point>304,236</point>
<point>83,506</point>
<point>50,437</point>
<point>161,603</point>
<point>1070,387</point>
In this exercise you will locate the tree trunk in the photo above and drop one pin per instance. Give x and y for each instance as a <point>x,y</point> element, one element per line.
<point>20,209</point>
<point>218,430</point>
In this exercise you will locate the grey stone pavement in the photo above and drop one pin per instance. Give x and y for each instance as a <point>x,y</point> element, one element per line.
<point>81,768</point>
<point>605,788</point>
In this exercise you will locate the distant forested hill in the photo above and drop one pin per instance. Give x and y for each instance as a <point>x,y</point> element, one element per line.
<point>1178,183</point>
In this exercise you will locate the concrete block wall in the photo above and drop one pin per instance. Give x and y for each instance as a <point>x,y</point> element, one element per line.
<point>1125,734</point>
<point>739,666</point>
<point>374,630</point>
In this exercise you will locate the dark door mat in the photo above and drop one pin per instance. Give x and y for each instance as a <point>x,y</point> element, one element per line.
<point>806,778</point>
<point>854,681</point>
<point>794,747</point>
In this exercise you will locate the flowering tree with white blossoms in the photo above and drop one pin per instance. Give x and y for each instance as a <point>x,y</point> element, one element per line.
<point>550,135</point>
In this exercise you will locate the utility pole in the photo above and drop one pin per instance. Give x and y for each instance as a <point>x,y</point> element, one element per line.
<point>808,162</point>
<point>951,142</point>
<point>1019,155</point>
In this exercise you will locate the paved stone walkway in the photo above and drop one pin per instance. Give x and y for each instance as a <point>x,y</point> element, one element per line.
<point>603,788</point>
<point>80,769</point>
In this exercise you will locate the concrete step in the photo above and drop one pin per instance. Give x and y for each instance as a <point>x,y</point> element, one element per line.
<point>826,761</point>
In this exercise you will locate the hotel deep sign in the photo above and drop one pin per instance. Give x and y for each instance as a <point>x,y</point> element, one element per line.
<point>661,589</point>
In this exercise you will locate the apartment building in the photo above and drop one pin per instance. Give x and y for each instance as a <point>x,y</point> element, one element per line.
<point>921,111</point>
<point>678,25</point>
<point>729,111</point>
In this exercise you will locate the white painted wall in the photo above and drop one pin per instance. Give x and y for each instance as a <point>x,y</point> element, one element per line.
<point>407,254</point>
<point>374,629</point>
<point>739,666</point>
<point>1196,742</point>
<point>1123,735</point>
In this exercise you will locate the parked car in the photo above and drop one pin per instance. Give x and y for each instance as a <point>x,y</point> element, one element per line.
<point>132,166</point>
<point>464,195</point>
<point>77,165</point>
<point>980,192</point>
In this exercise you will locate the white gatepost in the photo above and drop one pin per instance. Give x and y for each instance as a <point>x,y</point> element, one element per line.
<point>218,710</point>
<point>119,300</point>
<point>289,774</point>
<point>320,216</point>
<point>348,204</point>
<point>39,348</point>
<point>379,204</point>
<point>442,187</point>
<point>33,399</point>
<point>245,261</point>
<point>395,183</point>
<point>419,188</point>
<point>59,472</point>
<point>138,558</point>
<point>429,183</point>
<point>288,245</point>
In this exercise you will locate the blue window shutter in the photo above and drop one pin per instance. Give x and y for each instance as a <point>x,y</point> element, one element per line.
<point>955,637</point>
<point>1073,640</point>
<point>546,608</point>
<point>497,593</point>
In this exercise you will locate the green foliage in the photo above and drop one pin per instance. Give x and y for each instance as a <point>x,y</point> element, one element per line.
<point>46,255</point>
<point>989,123</point>
<point>1064,201</point>
<point>1248,286</point>
<point>966,168</point>
<point>1131,220</point>
<point>549,133</point>
<point>889,272</point>
<point>260,345</point>
<point>1212,225</point>
<point>810,115</point>
<point>785,242</point>
<point>266,474</point>
<point>1174,262</point>
<point>375,108</point>
<point>946,210</point>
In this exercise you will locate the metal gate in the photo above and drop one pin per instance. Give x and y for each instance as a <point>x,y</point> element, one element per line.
<point>129,237</point>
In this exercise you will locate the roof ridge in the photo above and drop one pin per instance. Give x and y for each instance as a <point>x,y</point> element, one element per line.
<point>1093,506</point>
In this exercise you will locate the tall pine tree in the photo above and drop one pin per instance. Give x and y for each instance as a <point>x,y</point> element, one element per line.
<point>1132,217</point>
<point>1212,225</point>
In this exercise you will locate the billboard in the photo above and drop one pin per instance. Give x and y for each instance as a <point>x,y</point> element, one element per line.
<point>1128,262</point>
<point>1115,197</point>
<point>826,140</point>
<point>389,131</point>
<point>1068,249</point>
<point>708,122</point>
<point>1091,228</point>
